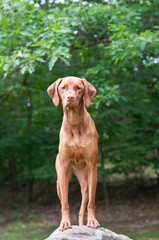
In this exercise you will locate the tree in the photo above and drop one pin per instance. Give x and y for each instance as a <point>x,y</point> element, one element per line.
<point>114,44</point>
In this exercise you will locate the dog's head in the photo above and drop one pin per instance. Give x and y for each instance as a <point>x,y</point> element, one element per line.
<point>72,91</point>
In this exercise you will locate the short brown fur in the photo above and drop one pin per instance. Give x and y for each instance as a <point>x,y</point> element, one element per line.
<point>78,147</point>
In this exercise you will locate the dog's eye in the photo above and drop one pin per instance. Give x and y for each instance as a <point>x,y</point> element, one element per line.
<point>63,88</point>
<point>78,88</point>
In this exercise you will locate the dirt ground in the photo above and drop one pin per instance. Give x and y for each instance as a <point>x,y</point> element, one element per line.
<point>131,205</point>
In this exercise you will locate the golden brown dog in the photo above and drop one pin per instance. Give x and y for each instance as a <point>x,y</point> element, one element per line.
<point>78,147</point>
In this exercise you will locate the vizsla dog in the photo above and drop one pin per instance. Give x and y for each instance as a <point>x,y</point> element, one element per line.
<point>78,147</point>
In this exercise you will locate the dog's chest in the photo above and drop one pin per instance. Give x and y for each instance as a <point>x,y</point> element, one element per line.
<point>76,140</point>
<point>77,151</point>
<point>78,160</point>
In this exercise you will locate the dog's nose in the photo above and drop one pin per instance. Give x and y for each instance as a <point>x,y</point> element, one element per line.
<point>70,97</point>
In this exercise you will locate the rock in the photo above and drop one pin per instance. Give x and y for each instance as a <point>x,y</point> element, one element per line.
<point>86,233</point>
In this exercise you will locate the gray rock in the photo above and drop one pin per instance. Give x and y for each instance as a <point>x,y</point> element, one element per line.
<point>86,233</point>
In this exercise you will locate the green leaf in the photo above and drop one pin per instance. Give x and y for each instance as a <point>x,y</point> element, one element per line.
<point>23,69</point>
<point>52,62</point>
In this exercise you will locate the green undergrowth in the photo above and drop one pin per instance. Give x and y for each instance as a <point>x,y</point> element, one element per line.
<point>19,230</point>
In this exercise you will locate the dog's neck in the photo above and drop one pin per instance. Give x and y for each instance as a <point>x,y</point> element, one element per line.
<point>76,119</point>
<point>74,115</point>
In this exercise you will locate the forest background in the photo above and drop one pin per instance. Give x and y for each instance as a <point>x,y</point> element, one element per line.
<point>115,46</point>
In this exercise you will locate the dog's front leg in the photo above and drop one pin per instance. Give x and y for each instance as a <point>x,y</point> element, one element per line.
<point>92,182</point>
<point>63,178</point>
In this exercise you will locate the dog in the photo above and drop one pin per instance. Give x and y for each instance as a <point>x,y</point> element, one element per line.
<point>78,147</point>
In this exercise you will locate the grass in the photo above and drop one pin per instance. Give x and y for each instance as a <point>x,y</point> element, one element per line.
<point>19,230</point>
<point>151,234</point>
<point>26,231</point>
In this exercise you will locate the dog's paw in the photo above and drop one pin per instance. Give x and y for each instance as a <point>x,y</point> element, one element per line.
<point>64,225</point>
<point>93,223</point>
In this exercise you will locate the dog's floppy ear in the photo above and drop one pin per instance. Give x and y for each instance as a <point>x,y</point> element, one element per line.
<point>53,91</point>
<point>90,92</point>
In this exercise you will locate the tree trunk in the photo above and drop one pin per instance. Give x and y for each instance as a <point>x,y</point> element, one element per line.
<point>12,164</point>
<point>31,181</point>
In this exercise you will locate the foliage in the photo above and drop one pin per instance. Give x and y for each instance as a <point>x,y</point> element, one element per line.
<point>115,45</point>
